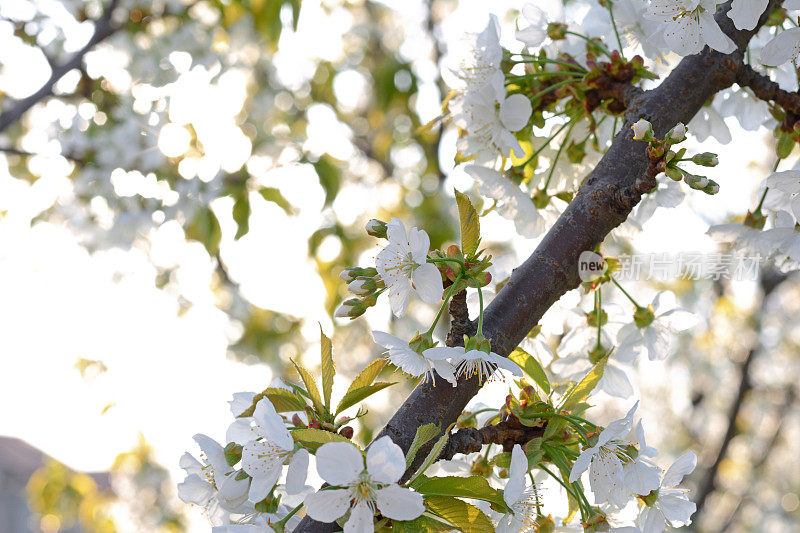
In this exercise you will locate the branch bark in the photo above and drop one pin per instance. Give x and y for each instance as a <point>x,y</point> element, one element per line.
<point>604,201</point>
<point>767,90</point>
<point>506,433</point>
<point>104,27</point>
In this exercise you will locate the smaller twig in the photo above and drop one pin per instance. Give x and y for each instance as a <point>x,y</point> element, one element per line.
<point>460,323</point>
<point>766,89</point>
<point>23,153</point>
<point>506,433</point>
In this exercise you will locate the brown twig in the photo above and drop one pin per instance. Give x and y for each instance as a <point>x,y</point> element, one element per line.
<point>460,323</point>
<point>506,433</point>
<point>767,90</point>
<point>103,28</point>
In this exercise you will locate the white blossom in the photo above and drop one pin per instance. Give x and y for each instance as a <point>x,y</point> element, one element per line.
<point>405,260</point>
<point>745,13</point>
<point>401,355</point>
<point>783,48</point>
<point>519,498</point>
<point>672,508</point>
<point>473,362</point>
<point>654,338</point>
<point>689,25</point>
<point>364,491</point>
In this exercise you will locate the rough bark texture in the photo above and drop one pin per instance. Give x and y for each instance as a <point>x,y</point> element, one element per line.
<point>506,433</point>
<point>604,201</point>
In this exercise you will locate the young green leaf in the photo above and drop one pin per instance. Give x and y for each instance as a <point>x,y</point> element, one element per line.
<point>470,224</point>
<point>311,389</point>
<point>241,215</point>
<point>354,396</point>
<point>531,366</point>
<point>283,400</point>
<point>368,375</point>
<point>433,455</point>
<point>463,516</point>
<point>314,438</point>
<point>473,487</point>
<point>424,434</point>
<point>327,367</point>
<point>274,195</point>
<point>581,391</point>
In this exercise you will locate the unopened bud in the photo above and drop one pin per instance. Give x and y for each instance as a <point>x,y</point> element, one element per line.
<point>676,134</point>
<point>297,421</point>
<point>673,173</point>
<point>362,285</point>
<point>346,432</point>
<point>711,188</point>
<point>557,31</point>
<point>376,228</point>
<point>706,159</point>
<point>351,308</point>
<point>695,182</point>
<point>642,130</point>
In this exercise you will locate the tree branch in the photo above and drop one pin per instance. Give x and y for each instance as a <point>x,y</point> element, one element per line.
<point>506,433</point>
<point>603,202</point>
<point>460,323</point>
<point>767,90</point>
<point>103,28</point>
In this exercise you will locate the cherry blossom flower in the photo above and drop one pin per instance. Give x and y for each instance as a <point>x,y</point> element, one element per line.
<point>213,481</point>
<point>519,498</point>
<point>405,260</point>
<point>689,25</point>
<point>267,447</point>
<point>536,20</point>
<point>783,48</point>
<point>473,362</point>
<point>413,363</point>
<point>605,461</point>
<point>671,506</point>
<point>364,491</point>
<point>745,13</point>
<point>788,182</point>
<point>653,328</point>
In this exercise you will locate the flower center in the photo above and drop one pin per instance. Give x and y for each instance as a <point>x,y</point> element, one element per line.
<point>364,491</point>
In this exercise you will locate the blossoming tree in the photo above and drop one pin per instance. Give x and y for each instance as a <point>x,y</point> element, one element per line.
<point>574,134</point>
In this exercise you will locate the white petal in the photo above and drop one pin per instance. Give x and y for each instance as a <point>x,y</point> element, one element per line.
<point>581,464</point>
<point>504,363</point>
<point>641,478</point>
<point>241,402</point>
<point>683,36</point>
<point>360,521</point>
<point>388,341</point>
<point>676,507</point>
<point>195,490</point>
<point>428,282</point>
<point>713,34</point>
<point>339,463</point>
<point>515,112</point>
<point>385,461</point>
<point>782,48</point>
<point>446,370</point>
<point>615,382</point>
<point>398,297</point>
<point>657,339</point>
<point>786,181</point>
<point>271,425</point>
<point>327,505</point>
<point>440,353</point>
<point>678,319</point>
<point>531,36</point>
<point>796,206</point>
<point>418,244</point>
<point>682,466</point>
<point>399,503</point>
<point>651,520</point>
<point>297,472</point>
<point>745,13</point>
<point>516,476</point>
<point>241,431</point>
<point>396,233</point>
<point>260,487</point>
<point>262,459</point>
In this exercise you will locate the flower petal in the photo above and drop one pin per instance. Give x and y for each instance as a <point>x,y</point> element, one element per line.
<point>745,13</point>
<point>516,476</point>
<point>399,503</point>
<point>297,472</point>
<point>683,465</point>
<point>396,233</point>
<point>385,461</point>
<point>581,464</point>
<point>339,463</point>
<point>418,244</point>
<point>271,425</point>
<point>327,505</point>
<point>361,520</point>
<point>428,282</point>
<point>713,34</point>
<point>515,112</point>
<point>782,48</point>
<point>260,486</point>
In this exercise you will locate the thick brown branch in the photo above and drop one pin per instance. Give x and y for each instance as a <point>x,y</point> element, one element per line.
<point>103,28</point>
<point>506,433</point>
<point>460,324</point>
<point>767,90</point>
<point>604,201</point>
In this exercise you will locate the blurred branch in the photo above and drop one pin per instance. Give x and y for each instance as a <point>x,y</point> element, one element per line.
<point>769,281</point>
<point>23,153</point>
<point>103,28</point>
<point>783,412</point>
<point>604,201</point>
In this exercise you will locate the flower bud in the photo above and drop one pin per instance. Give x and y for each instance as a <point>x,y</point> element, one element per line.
<point>362,285</point>
<point>351,308</point>
<point>467,420</point>
<point>346,432</point>
<point>706,159</point>
<point>676,134</point>
<point>674,173</point>
<point>297,421</point>
<point>349,274</point>
<point>711,188</point>
<point>695,182</point>
<point>642,130</point>
<point>557,31</point>
<point>376,228</point>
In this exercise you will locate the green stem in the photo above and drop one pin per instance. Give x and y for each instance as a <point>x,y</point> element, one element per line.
<point>552,88</point>
<point>444,304</point>
<point>764,195</point>
<point>552,62</point>
<point>286,518</point>
<point>615,282</point>
<point>545,145</point>
<point>614,25</point>
<point>558,155</point>
<point>590,41</point>
<point>545,74</point>
<point>446,260</point>
<point>598,303</point>
<point>569,419</point>
<point>567,488</point>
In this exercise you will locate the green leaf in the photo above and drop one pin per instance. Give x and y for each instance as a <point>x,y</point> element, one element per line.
<point>205,229</point>
<point>785,145</point>
<point>531,366</point>
<point>327,367</point>
<point>463,516</point>
<point>274,195</point>
<point>426,523</point>
<point>241,215</point>
<point>581,391</point>
<point>354,396</point>
<point>470,224</point>
<point>433,455</point>
<point>282,399</point>
<point>424,434</point>
<point>311,389</point>
<point>329,176</point>
<point>312,438</point>
<point>473,487</point>
<point>368,375</point>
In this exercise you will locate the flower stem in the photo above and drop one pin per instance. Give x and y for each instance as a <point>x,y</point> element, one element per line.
<point>590,41</point>
<point>598,304</point>
<point>444,304</point>
<point>615,282</point>
<point>545,145</point>
<point>766,189</point>
<point>558,155</point>
<point>551,61</point>
<point>614,25</point>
